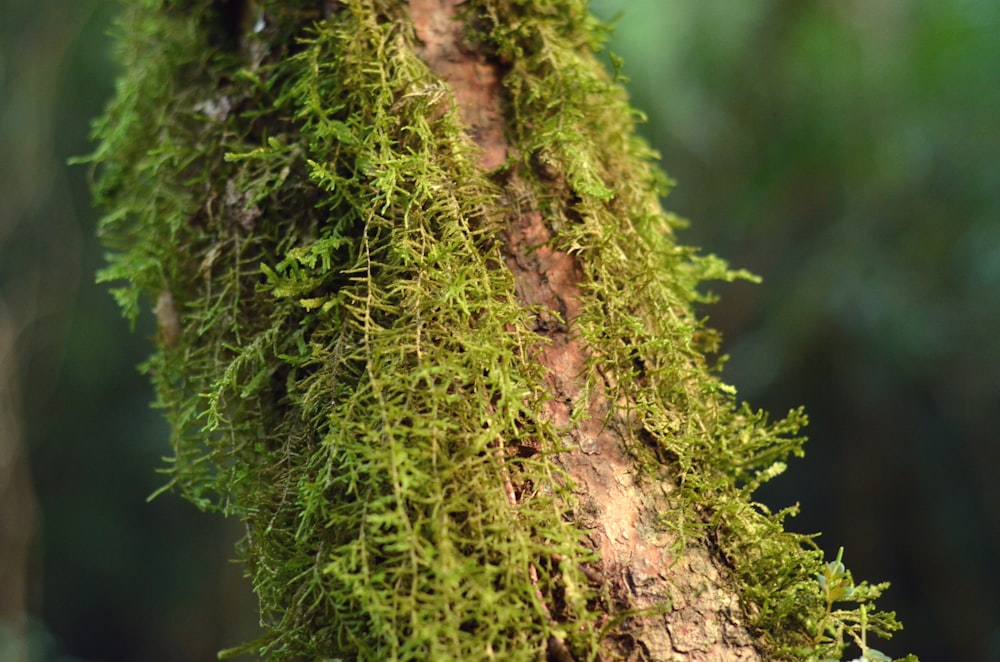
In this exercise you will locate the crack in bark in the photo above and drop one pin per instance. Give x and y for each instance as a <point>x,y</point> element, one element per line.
<point>474,80</point>
<point>689,612</point>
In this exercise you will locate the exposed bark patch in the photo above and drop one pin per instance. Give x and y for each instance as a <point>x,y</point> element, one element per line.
<point>474,80</point>
<point>695,616</point>
<point>692,613</point>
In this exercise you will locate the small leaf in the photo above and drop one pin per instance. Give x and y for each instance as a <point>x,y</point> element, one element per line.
<point>877,656</point>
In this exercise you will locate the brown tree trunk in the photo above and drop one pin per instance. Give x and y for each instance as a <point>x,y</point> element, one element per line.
<point>18,509</point>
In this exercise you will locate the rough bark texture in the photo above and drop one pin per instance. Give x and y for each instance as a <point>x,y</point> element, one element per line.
<point>701,616</point>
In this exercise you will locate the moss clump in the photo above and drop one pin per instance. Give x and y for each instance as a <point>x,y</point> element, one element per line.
<point>343,358</point>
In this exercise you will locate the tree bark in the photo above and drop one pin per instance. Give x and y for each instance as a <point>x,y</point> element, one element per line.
<point>695,612</point>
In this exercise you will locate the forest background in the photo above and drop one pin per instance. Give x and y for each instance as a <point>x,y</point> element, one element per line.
<point>848,152</point>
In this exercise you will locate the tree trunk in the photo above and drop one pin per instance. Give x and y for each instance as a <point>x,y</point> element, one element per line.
<point>424,327</point>
<point>18,507</point>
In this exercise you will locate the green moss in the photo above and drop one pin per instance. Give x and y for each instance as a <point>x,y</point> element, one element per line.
<point>343,358</point>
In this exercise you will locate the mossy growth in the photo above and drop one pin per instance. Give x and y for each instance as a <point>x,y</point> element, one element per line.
<point>344,360</point>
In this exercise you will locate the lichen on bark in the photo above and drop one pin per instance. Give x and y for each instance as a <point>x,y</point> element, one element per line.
<point>431,337</point>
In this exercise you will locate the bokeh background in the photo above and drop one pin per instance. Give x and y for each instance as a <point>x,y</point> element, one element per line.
<point>848,151</point>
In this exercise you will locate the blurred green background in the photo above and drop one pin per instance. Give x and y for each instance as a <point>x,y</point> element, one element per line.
<point>847,151</point>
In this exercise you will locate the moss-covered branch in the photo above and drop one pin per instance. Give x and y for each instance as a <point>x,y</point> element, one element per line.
<point>406,310</point>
